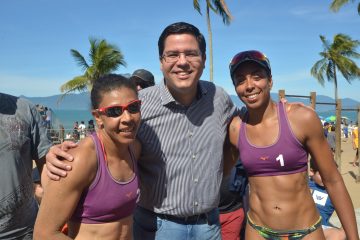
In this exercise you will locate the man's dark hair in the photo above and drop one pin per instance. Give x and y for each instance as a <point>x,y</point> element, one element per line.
<point>181,28</point>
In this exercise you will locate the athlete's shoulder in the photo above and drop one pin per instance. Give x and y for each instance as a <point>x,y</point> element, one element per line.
<point>300,111</point>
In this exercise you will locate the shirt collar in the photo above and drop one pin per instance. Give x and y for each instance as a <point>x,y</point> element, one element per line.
<point>167,98</point>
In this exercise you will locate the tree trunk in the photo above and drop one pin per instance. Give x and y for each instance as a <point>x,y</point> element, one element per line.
<point>338,134</point>
<point>358,149</point>
<point>338,124</point>
<point>210,43</point>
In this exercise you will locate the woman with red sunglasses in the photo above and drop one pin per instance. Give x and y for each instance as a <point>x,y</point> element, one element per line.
<point>274,140</point>
<point>98,196</point>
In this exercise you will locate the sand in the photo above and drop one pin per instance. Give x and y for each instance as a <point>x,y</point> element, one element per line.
<point>349,174</point>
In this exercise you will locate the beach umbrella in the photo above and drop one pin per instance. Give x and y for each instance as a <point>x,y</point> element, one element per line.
<point>331,118</point>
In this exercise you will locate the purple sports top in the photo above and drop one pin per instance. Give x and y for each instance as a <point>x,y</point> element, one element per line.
<point>106,199</point>
<point>286,156</point>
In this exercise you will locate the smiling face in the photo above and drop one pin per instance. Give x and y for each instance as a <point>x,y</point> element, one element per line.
<point>182,76</point>
<point>122,128</point>
<point>253,84</point>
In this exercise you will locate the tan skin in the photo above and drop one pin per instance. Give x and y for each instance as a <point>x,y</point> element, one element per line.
<point>284,202</point>
<point>61,197</point>
<point>182,76</point>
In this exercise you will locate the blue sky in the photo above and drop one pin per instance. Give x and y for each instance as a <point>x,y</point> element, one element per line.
<point>36,38</point>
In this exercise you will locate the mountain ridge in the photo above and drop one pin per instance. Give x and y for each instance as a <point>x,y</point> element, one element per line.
<point>81,101</point>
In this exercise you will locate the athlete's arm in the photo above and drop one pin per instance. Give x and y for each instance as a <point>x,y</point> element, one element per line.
<point>61,197</point>
<point>308,126</point>
<point>231,152</point>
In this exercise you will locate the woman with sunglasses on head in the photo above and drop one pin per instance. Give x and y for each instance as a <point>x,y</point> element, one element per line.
<point>98,196</point>
<point>274,140</point>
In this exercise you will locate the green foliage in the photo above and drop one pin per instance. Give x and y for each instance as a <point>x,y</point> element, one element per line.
<point>104,58</point>
<point>337,55</point>
<point>337,4</point>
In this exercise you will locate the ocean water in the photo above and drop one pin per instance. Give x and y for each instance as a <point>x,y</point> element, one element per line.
<point>68,117</point>
<point>351,115</point>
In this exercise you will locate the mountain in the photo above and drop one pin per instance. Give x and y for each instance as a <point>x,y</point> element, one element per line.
<point>81,101</point>
<point>346,102</point>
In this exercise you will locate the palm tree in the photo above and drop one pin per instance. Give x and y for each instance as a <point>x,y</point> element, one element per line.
<point>337,4</point>
<point>337,56</point>
<point>218,7</point>
<point>104,58</point>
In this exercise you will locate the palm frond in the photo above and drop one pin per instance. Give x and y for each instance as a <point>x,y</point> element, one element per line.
<point>196,5</point>
<point>80,60</point>
<point>78,83</point>
<point>330,71</point>
<point>325,43</point>
<point>337,4</point>
<point>318,70</point>
<point>223,11</point>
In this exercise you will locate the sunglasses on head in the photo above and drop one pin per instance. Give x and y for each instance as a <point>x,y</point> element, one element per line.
<point>117,110</point>
<point>251,55</point>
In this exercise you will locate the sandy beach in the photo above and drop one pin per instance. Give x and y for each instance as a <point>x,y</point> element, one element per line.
<point>349,174</point>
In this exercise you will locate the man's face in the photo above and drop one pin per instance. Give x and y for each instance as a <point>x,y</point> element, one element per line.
<point>181,76</point>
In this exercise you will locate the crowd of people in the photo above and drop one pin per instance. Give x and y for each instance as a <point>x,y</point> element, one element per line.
<point>80,131</point>
<point>177,160</point>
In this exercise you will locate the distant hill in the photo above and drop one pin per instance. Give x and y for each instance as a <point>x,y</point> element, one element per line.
<point>346,102</point>
<point>81,101</point>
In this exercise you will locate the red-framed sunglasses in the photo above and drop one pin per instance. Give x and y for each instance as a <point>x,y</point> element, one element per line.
<point>116,110</point>
<point>252,55</point>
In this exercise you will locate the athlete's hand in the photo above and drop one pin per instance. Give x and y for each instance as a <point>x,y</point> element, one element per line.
<point>55,166</point>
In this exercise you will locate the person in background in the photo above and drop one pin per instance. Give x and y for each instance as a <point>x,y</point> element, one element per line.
<point>23,139</point>
<point>331,138</point>
<point>143,79</point>
<point>326,129</point>
<point>82,130</point>
<point>90,127</point>
<point>98,196</point>
<point>38,189</point>
<point>76,133</point>
<point>183,134</point>
<point>48,117</point>
<point>355,143</point>
<point>323,204</point>
<point>346,130</point>
<point>274,141</point>
<point>231,207</point>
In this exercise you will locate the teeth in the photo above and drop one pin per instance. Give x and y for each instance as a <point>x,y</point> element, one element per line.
<point>126,130</point>
<point>252,96</point>
<point>183,73</point>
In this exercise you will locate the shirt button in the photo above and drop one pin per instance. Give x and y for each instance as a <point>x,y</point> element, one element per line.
<point>196,180</point>
<point>196,203</point>
<point>193,156</point>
